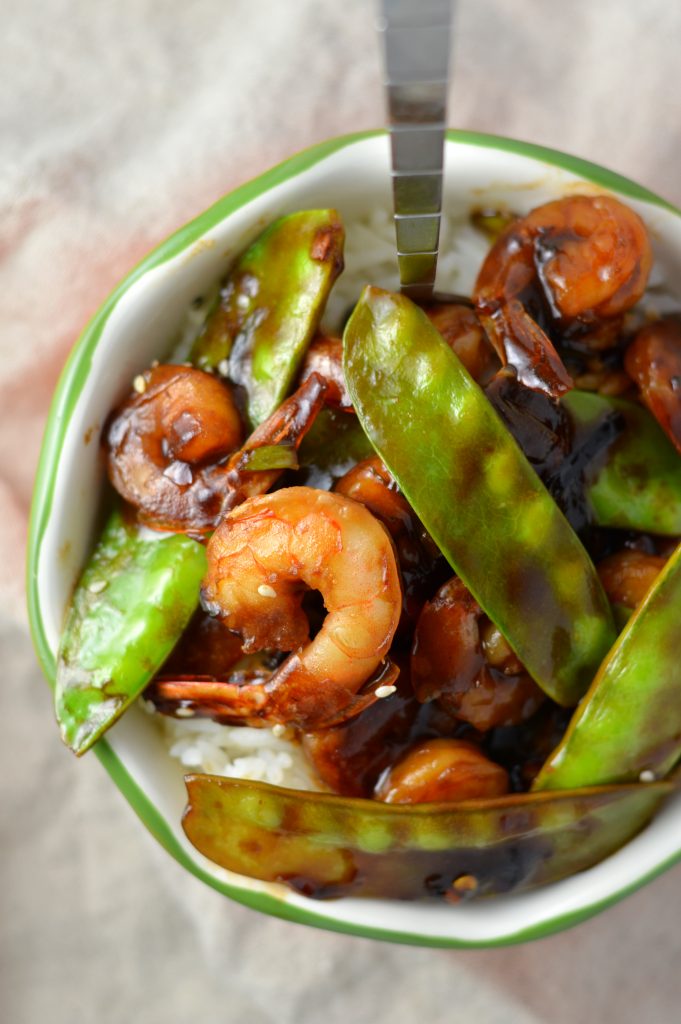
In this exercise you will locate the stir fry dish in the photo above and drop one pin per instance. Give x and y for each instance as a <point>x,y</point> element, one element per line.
<point>439,555</point>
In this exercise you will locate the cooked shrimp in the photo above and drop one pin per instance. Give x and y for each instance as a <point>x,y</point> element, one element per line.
<point>420,561</point>
<point>628,575</point>
<point>653,361</point>
<point>459,326</point>
<point>352,756</point>
<point>262,558</point>
<point>169,442</point>
<point>442,769</point>
<point>163,444</point>
<point>325,357</point>
<point>461,659</point>
<point>575,263</point>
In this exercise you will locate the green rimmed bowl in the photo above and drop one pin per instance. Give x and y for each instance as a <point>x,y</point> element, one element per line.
<point>134,326</point>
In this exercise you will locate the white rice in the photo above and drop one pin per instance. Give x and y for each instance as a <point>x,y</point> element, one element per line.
<point>238,751</point>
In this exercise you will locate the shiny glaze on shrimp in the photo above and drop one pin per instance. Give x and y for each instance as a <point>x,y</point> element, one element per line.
<point>461,659</point>
<point>262,558</point>
<point>325,358</point>
<point>571,264</point>
<point>164,442</point>
<point>653,362</point>
<point>187,484</point>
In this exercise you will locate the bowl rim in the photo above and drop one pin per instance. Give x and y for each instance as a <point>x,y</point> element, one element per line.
<point>66,395</point>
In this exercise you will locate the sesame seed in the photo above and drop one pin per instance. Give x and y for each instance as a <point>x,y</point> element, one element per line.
<point>139,384</point>
<point>646,776</point>
<point>97,586</point>
<point>243,301</point>
<point>184,712</point>
<point>385,691</point>
<point>465,884</point>
<point>180,473</point>
<point>266,591</point>
<point>154,364</point>
<point>223,367</point>
<point>278,730</point>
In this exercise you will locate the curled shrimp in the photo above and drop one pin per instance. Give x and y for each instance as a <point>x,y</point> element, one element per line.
<point>653,361</point>
<point>171,446</point>
<point>572,264</point>
<point>461,659</point>
<point>261,560</point>
<point>163,444</point>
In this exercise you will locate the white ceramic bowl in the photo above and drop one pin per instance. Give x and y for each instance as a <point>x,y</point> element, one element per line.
<point>133,327</point>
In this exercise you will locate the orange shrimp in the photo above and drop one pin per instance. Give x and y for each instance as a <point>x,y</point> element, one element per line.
<point>261,559</point>
<point>653,361</point>
<point>164,441</point>
<point>574,263</point>
<point>168,446</point>
<point>442,769</point>
<point>461,659</point>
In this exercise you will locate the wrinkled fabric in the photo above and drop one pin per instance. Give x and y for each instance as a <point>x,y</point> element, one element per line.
<point>120,122</point>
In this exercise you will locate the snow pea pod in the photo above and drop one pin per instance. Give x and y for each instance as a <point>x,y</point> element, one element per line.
<point>134,599</point>
<point>270,307</point>
<point>325,846</point>
<point>636,483</point>
<point>476,493</point>
<point>630,720</point>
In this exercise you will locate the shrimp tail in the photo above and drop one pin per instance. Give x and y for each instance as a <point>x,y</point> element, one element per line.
<point>287,427</point>
<point>288,696</point>
<point>522,344</point>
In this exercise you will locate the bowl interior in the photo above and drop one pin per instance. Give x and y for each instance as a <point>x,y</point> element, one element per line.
<point>139,323</point>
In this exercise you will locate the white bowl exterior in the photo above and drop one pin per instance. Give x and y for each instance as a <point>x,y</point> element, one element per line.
<point>142,327</point>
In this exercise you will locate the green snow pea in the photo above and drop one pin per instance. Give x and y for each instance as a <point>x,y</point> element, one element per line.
<point>636,483</point>
<point>630,720</point>
<point>134,599</point>
<point>326,846</point>
<point>271,305</point>
<point>476,494</point>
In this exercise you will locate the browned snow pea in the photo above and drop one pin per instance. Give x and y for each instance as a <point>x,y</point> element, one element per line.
<point>476,494</point>
<point>630,720</point>
<point>635,484</point>
<point>130,607</point>
<point>270,307</point>
<point>325,846</point>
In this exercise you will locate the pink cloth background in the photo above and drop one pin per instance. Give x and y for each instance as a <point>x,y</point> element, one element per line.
<point>120,122</point>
